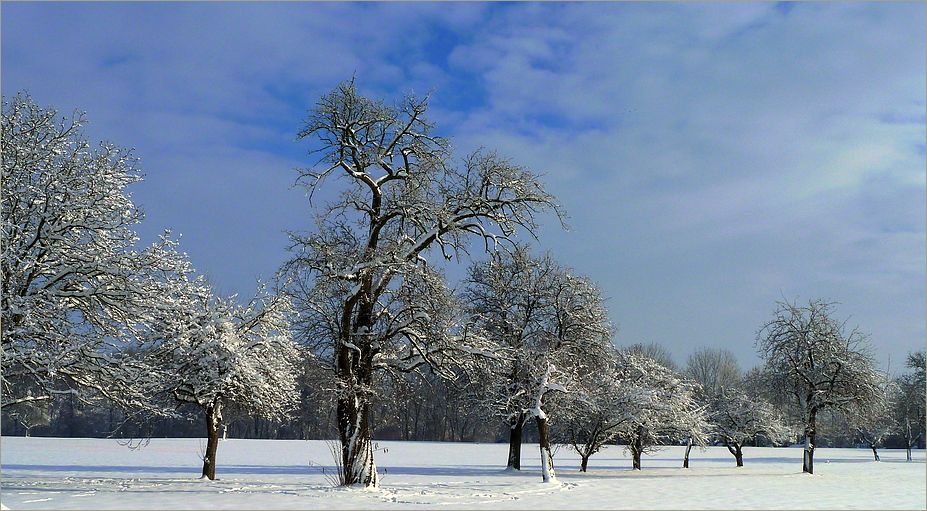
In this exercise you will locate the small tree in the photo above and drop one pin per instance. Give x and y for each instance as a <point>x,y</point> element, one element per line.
<point>874,422</point>
<point>908,408</point>
<point>30,414</point>
<point>816,365</point>
<point>214,353</point>
<point>738,418</point>
<point>737,413</point>
<point>671,413</point>
<point>714,370</point>
<point>552,332</point>
<point>600,409</point>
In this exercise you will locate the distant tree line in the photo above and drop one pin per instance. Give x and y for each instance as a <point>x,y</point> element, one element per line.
<point>360,337</point>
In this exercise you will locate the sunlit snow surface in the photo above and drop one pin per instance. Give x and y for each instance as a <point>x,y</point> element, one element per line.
<point>44,473</point>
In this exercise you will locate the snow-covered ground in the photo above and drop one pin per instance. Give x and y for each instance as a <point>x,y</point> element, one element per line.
<point>54,473</point>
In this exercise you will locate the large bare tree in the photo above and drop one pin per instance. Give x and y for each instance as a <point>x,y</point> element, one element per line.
<point>403,197</point>
<point>814,364</point>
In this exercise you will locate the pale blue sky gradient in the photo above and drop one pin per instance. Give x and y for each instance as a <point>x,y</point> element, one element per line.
<point>713,157</point>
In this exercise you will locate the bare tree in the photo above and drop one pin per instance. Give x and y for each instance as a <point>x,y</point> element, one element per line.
<point>656,352</point>
<point>908,408</point>
<point>713,369</point>
<point>404,196</point>
<point>816,365</point>
<point>76,287</point>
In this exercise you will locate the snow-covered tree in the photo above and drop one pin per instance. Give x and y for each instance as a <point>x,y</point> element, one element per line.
<point>599,408</point>
<point>736,414</point>
<point>76,287</point>
<point>671,413</point>
<point>551,329</point>
<point>910,401</point>
<point>30,414</point>
<point>815,365</point>
<point>404,198</point>
<point>215,353</point>
<point>874,422</point>
<point>738,418</point>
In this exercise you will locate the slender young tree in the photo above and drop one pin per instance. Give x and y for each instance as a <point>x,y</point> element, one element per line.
<point>404,197</point>
<point>816,365</point>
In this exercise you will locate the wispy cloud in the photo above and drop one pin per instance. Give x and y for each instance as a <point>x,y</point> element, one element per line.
<point>714,157</point>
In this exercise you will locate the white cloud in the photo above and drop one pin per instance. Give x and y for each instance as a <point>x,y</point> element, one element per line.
<point>713,156</point>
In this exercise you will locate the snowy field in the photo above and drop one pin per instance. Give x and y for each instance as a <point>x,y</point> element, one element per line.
<point>46,473</point>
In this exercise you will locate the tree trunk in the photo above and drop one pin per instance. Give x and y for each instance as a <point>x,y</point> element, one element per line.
<point>808,455</point>
<point>875,453</point>
<point>515,433</point>
<point>354,366</point>
<point>356,446</point>
<point>547,457</point>
<point>635,459</point>
<point>637,448</point>
<point>213,423</point>
<point>685,459</point>
<point>736,448</point>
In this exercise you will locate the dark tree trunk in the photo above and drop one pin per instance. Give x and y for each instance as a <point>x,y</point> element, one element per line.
<point>213,423</point>
<point>875,453</point>
<point>685,459</point>
<point>637,448</point>
<point>515,433</point>
<point>584,462</point>
<point>547,457</point>
<point>808,455</point>
<point>736,448</point>
<point>354,362</point>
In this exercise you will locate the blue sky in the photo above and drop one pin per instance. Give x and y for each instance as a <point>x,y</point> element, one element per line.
<point>713,157</point>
